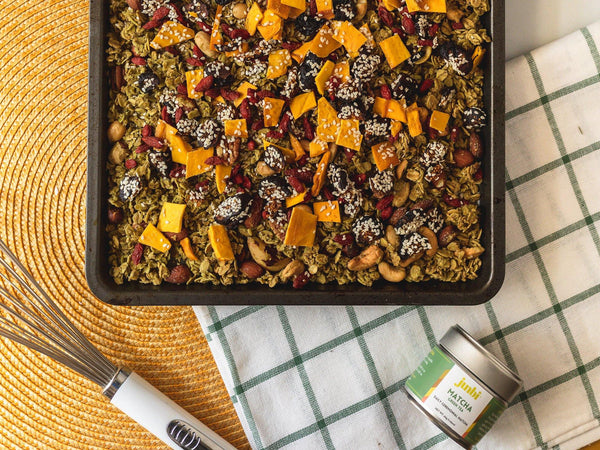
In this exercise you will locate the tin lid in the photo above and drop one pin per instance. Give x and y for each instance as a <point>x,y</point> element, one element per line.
<point>489,369</point>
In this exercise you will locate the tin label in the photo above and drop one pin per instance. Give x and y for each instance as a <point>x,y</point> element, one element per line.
<point>453,397</point>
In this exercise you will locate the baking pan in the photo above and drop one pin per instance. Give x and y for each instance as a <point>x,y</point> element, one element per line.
<point>471,292</point>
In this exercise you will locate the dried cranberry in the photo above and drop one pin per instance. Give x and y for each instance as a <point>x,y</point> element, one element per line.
<point>327,194</point>
<point>115,215</point>
<point>454,202</point>
<point>478,176</point>
<point>386,93</point>
<point>434,29</point>
<point>245,109</point>
<point>137,254</point>
<point>143,148</point>
<point>275,134</point>
<point>229,95</point>
<point>454,134</point>
<point>214,161</point>
<point>344,239</point>
<point>351,250</point>
<point>291,46</point>
<point>457,25</point>
<point>251,145</point>
<point>259,124</point>
<point>361,178</point>
<point>138,61</point>
<point>195,62</point>
<point>246,183</point>
<point>130,164</point>
<point>426,85</point>
<point>240,33</point>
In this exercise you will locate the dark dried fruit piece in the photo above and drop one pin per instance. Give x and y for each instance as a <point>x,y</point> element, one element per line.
<point>129,187</point>
<point>208,133</point>
<point>308,25</point>
<point>179,275</point>
<point>274,158</point>
<point>434,219</point>
<point>255,214</point>
<point>339,179</point>
<point>205,84</point>
<point>308,70</point>
<point>381,183</point>
<point>410,222</point>
<point>434,153</point>
<point>233,210</point>
<point>219,71</point>
<point>474,118</point>
<point>365,66</point>
<point>160,162</point>
<point>343,10</point>
<point>376,129</point>
<point>456,57</point>
<point>405,87</point>
<point>367,229</point>
<point>148,81</point>
<point>301,280</point>
<point>115,215</point>
<point>176,237</point>
<point>412,244</point>
<point>274,188</point>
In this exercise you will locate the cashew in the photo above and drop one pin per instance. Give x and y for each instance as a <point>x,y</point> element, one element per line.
<point>263,169</point>
<point>454,14</point>
<point>118,153</point>
<point>391,273</point>
<point>239,11</point>
<point>391,236</point>
<point>259,253</point>
<point>473,252</point>
<point>401,168</point>
<point>401,193</point>
<point>407,262</point>
<point>367,258</point>
<point>202,40</point>
<point>432,238</point>
<point>294,268</point>
<point>115,131</point>
<point>361,9</point>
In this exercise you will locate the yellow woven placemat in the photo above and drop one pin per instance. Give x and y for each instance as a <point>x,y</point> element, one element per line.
<point>43,108</point>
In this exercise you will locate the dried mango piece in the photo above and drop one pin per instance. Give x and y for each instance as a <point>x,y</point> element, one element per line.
<point>155,239</point>
<point>171,33</point>
<point>385,156</point>
<point>325,112</point>
<point>342,71</point>
<point>270,25</point>
<point>350,37</point>
<point>323,76</point>
<point>297,147</point>
<point>241,49</point>
<point>290,155</point>
<point>179,149</point>
<point>439,120</point>
<point>396,127</point>
<point>431,6</point>
<point>187,249</point>
<point>302,229</point>
<point>414,121</point>
<point>318,147</point>
<point>170,218</point>
<point>327,211</point>
<point>272,111</point>
<point>295,12</point>
<point>349,134</point>
<point>328,132</point>
<point>222,173</point>
<point>394,50</point>
<point>302,103</point>
<point>192,78</point>
<point>195,162</point>
<point>216,38</point>
<point>380,106</point>
<point>279,61</point>
<point>220,243</point>
<point>243,90</point>
<point>323,43</point>
<point>320,174</point>
<point>478,55</point>
<point>396,111</point>
<point>279,8</point>
<point>391,5</point>
<point>237,128</point>
<point>296,199</point>
<point>300,53</point>
<point>325,8</point>
<point>164,131</point>
<point>253,18</point>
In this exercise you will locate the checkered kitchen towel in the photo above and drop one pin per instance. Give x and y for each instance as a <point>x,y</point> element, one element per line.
<point>332,377</point>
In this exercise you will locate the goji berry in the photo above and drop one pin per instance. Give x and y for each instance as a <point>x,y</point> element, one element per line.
<point>259,124</point>
<point>327,194</point>
<point>138,61</point>
<point>142,148</point>
<point>205,84</point>
<point>349,154</point>
<point>245,109</point>
<point>361,178</point>
<point>178,171</point>
<point>295,183</point>
<point>137,254</point>
<point>213,161</point>
<point>275,134</point>
<point>161,13</point>
<point>302,161</point>
<point>197,52</point>
<point>408,24</point>
<point>386,17</point>
<point>153,141</point>
<point>146,131</point>
<point>164,114</point>
<point>251,145</point>
<point>246,182</point>
<point>454,202</point>
<point>434,29</point>
<point>212,93</point>
<point>457,25</point>
<point>284,124</point>
<point>478,176</point>
<point>182,89</point>
<point>240,33</point>
<point>308,129</point>
<point>130,164</point>
<point>290,46</point>
<point>426,85</point>
<point>151,24</point>
<point>344,239</point>
<point>386,92</point>
<point>301,280</point>
<point>179,114</point>
<point>229,95</point>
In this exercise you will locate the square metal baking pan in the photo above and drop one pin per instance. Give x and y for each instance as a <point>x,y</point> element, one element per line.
<point>471,292</point>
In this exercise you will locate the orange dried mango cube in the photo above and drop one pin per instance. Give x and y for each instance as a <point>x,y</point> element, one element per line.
<point>295,12</point>
<point>237,128</point>
<point>394,50</point>
<point>192,78</point>
<point>391,5</point>
<point>270,25</point>
<point>243,90</point>
<point>317,147</point>
<point>396,127</point>
<point>325,112</point>
<point>323,76</point>
<point>216,37</point>
<point>302,103</point>
<point>179,149</point>
<point>299,151</point>
<point>155,239</point>
<point>253,18</point>
<point>320,174</point>
<point>171,33</point>
<point>279,61</point>
<point>272,111</point>
<point>220,243</point>
<point>439,120</point>
<point>385,156</point>
<point>396,111</point>
<point>432,6</point>
<point>350,37</point>
<point>380,106</point>
<point>186,245</point>
<point>324,43</point>
<point>325,8</point>
<point>164,131</point>
<point>170,218</point>
<point>349,134</point>
<point>414,121</point>
<point>328,132</point>
<point>296,199</point>
<point>327,211</point>
<point>222,173</point>
<point>478,55</point>
<point>342,70</point>
<point>302,229</point>
<point>279,8</point>
<point>300,53</point>
<point>195,162</point>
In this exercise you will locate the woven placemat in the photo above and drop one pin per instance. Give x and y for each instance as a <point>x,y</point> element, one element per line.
<point>43,108</point>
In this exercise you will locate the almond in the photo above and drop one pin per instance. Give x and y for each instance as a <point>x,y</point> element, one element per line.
<point>179,275</point>
<point>446,235</point>
<point>251,269</point>
<point>463,158</point>
<point>134,4</point>
<point>476,145</point>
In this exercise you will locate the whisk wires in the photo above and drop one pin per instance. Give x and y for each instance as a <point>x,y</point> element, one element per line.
<point>30,317</point>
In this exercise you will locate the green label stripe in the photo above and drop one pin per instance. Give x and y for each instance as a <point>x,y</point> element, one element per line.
<point>585,211</point>
<point>375,376</point>
<point>310,393</point>
<point>434,367</point>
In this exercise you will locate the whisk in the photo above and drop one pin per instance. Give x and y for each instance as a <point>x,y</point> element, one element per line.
<point>30,317</point>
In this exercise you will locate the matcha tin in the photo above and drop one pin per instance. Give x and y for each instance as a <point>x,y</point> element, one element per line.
<point>461,387</point>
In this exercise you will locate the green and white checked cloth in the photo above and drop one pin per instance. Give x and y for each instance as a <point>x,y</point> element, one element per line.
<point>332,377</point>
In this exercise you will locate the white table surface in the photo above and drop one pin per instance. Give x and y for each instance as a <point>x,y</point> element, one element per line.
<point>532,23</point>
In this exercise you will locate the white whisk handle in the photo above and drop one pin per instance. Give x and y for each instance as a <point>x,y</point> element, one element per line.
<point>164,418</point>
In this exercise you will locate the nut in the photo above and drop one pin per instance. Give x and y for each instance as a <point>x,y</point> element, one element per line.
<point>476,145</point>
<point>391,236</point>
<point>115,131</point>
<point>134,4</point>
<point>454,14</point>
<point>259,253</point>
<point>118,153</point>
<point>401,168</point>
<point>263,169</point>
<point>401,193</point>
<point>361,9</point>
<point>432,238</point>
<point>446,235</point>
<point>463,158</point>
<point>294,268</point>
<point>473,252</point>
<point>202,40</point>
<point>407,262</point>
<point>391,273</point>
<point>115,215</point>
<point>239,11</point>
<point>423,114</point>
<point>367,258</point>
<point>251,269</point>
<point>179,275</point>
